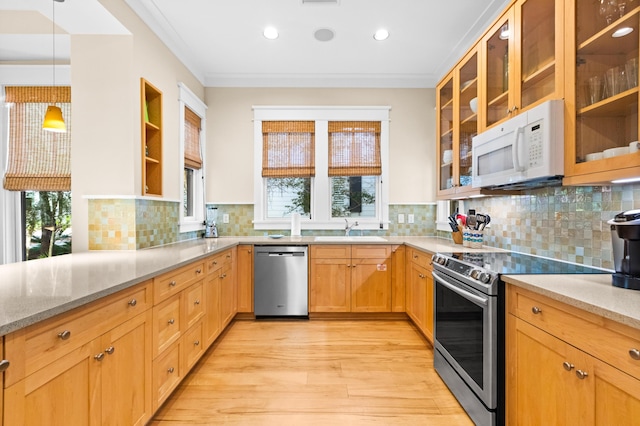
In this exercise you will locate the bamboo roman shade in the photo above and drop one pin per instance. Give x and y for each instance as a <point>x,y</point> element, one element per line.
<point>288,149</point>
<point>192,123</point>
<point>38,160</point>
<point>354,148</point>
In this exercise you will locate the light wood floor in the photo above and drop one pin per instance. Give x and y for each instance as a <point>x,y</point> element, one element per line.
<point>317,372</point>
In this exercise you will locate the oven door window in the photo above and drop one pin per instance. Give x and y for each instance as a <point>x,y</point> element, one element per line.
<point>459,329</point>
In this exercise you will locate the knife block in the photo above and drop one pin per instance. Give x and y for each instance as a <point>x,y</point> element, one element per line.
<point>457,237</point>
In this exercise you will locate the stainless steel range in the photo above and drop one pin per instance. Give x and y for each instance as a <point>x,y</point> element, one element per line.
<point>469,323</point>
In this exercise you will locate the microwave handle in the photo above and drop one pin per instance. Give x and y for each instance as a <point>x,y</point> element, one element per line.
<point>514,152</point>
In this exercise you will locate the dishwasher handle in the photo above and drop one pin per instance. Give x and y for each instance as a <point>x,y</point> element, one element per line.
<point>280,253</point>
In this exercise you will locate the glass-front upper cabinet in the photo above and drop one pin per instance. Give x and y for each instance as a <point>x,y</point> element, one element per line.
<point>603,86</point>
<point>498,54</point>
<point>445,127</point>
<point>467,76</point>
<point>541,26</point>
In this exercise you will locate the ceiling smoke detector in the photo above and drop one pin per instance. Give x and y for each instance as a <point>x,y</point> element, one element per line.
<point>324,34</point>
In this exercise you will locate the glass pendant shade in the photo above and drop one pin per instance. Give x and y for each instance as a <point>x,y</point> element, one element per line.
<point>53,121</point>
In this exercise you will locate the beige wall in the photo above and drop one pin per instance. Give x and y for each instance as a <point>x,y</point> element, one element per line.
<point>229,153</point>
<point>105,86</point>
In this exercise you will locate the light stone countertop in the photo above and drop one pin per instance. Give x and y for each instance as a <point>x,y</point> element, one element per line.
<point>39,289</point>
<point>592,293</point>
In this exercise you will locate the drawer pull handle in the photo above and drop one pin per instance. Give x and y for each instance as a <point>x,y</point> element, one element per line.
<point>196,343</point>
<point>228,256</point>
<point>635,354</point>
<point>536,310</point>
<point>170,370</point>
<point>214,263</point>
<point>171,321</point>
<point>567,366</point>
<point>133,302</point>
<point>4,364</point>
<point>415,256</point>
<point>198,271</point>
<point>99,357</point>
<point>197,302</point>
<point>64,335</point>
<point>172,284</point>
<point>581,374</point>
<point>422,276</point>
<point>223,276</point>
<point>110,350</point>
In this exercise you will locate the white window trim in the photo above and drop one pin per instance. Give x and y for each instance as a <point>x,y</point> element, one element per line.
<point>196,222</point>
<point>320,196</point>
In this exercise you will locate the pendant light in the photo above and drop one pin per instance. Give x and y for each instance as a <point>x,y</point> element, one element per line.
<point>53,121</point>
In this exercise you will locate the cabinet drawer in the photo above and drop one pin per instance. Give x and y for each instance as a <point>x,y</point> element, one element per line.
<point>193,307</point>
<point>604,339</point>
<point>166,324</point>
<point>193,345</point>
<point>43,343</point>
<point>171,283</point>
<point>216,261</point>
<point>420,257</point>
<point>166,374</point>
<point>370,251</point>
<point>338,251</point>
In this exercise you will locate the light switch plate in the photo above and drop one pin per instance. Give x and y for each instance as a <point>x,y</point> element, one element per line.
<point>410,218</point>
<point>225,218</point>
<point>401,218</point>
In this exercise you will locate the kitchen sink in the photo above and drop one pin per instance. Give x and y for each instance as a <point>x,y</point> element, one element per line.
<point>350,238</point>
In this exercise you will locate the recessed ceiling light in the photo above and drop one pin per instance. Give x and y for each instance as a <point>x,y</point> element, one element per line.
<point>381,34</point>
<point>621,32</point>
<point>270,33</point>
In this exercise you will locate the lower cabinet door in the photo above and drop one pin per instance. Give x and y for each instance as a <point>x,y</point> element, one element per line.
<point>44,397</point>
<point>193,346</point>
<point>126,372</point>
<point>370,285</point>
<point>330,285</point>
<point>616,397</point>
<point>167,373</point>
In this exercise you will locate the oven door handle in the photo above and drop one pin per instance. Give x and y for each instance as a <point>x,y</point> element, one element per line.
<point>467,295</point>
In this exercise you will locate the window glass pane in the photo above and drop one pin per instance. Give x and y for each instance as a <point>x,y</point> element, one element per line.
<point>288,195</point>
<point>47,223</point>
<point>353,196</point>
<point>187,194</point>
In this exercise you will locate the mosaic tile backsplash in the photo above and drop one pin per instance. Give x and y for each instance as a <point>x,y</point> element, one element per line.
<point>128,224</point>
<point>567,223</point>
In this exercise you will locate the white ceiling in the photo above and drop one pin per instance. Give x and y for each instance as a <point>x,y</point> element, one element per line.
<point>221,42</point>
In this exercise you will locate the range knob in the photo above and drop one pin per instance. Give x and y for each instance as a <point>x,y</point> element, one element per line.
<point>475,273</point>
<point>441,260</point>
<point>484,277</point>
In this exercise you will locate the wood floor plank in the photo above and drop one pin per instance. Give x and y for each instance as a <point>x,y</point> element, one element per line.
<point>317,372</point>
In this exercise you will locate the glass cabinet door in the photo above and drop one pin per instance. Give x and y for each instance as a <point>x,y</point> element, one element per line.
<point>537,73</point>
<point>497,56</point>
<point>445,132</point>
<point>468,113</point>
<point>606,86</point>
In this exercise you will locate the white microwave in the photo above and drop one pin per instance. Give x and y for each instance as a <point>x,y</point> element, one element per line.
<point>524,151</point>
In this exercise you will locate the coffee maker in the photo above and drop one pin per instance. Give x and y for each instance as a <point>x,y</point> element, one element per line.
<point>625,239</point>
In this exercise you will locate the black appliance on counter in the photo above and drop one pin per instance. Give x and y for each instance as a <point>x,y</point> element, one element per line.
<point>625,239</point>
<point>469,323</point>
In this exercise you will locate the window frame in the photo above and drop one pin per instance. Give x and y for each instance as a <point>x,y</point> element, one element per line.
<point>320,184</point>
<point>193,223</point>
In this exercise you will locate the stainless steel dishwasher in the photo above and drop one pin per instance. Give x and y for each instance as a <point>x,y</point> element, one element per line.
<point>280,277</point>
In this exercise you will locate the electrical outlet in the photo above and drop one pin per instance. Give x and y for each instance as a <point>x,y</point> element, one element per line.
<point>401,218</point>
<point>225,218</point>
<point>410,218</point>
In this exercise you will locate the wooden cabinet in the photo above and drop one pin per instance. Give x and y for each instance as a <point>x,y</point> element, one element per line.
<point>419,291</point>
<point>219,277</point>
<point>151,127</point>
<point>244,274</point>
<point>567,366</point>
<point>4,364</point>
<point>350,278</point>
<point>602,94</point>
<point>102,352</point>
<point>516,64</point>
<point>398,274</point>
<point>228,295</point>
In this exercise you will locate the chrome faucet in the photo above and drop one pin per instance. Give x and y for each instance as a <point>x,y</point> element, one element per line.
<point>348,228</point>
